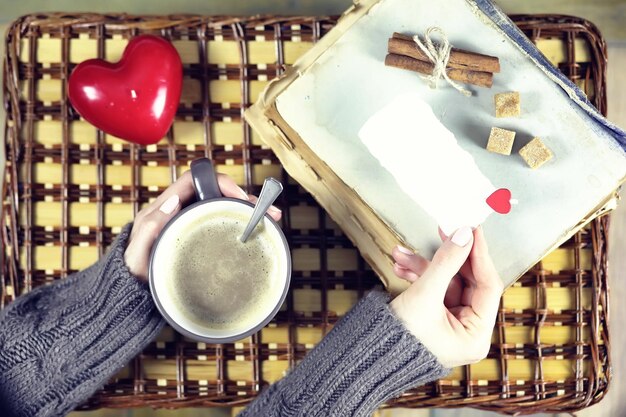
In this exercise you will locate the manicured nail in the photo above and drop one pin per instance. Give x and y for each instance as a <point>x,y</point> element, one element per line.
<point>462,236</point>
<point>404,250</point>
<point>170,204</point>
<point>275,209</point>
<point>244,194</point>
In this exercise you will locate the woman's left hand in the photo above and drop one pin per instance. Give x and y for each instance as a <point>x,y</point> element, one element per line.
<point>150,221</point>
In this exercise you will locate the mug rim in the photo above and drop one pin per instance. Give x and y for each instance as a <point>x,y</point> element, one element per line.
<point>238,336</point>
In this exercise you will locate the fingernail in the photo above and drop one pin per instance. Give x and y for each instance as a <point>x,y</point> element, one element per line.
<point>275,209</point>
<point>170,204</point>
<point>244,194</point>
<point>404,250</point>
<point>462,236</point>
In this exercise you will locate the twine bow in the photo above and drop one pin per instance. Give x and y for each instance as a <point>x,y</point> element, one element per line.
<point>439,56</point>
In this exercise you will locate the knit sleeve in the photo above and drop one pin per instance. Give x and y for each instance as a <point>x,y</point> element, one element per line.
<point>61,342</point>
<point>368,358</point>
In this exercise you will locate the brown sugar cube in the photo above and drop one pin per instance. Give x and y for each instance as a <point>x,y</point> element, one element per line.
<point>500,141</point>
<point>507,104</point>
<point>535,153</point>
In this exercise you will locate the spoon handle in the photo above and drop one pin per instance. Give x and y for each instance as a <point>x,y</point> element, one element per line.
<point>269,192</point>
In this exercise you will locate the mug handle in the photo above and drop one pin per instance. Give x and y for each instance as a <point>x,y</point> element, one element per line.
<point>204,179</point>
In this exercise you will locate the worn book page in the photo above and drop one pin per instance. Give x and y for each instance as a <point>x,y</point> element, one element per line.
<point>333,99</point>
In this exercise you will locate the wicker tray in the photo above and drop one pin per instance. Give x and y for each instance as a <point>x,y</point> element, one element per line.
<point>69,188</point>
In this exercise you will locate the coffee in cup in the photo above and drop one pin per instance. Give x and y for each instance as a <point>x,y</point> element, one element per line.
<point>207,283</point>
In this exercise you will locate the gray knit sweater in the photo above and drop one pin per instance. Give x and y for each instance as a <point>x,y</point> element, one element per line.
<point>61,342</point>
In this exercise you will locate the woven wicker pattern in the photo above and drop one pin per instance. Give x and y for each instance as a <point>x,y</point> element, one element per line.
<point>70,187</point>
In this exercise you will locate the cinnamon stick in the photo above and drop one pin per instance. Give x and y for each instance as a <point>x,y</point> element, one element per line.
<point>401,44</point>
<point>479,78</point>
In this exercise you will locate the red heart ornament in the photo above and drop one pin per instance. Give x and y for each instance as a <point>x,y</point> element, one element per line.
<point>134,99</point>
<point>500,201</point>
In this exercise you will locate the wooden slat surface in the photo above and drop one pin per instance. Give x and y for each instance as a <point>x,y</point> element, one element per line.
<point>305,297</point>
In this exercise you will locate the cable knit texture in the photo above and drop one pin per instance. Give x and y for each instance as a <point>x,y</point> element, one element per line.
<point>368,358</point>
<point>61,342</point>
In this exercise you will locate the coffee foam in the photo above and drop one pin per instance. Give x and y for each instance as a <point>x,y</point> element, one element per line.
<point>216,281</point>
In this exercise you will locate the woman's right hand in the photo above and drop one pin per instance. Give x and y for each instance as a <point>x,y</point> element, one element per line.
<point>453,300</point>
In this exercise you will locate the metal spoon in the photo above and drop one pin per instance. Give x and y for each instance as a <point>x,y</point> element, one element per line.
<point>269,192</point>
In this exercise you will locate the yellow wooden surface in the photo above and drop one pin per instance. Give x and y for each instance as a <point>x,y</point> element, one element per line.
<point>608,13</point>
<point>307,300</point>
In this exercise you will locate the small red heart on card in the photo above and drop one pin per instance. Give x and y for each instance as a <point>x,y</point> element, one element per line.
<point>134,99</point>
<point>500,201</point>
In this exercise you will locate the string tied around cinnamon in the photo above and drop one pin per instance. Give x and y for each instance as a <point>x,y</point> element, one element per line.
<point>439,55</point>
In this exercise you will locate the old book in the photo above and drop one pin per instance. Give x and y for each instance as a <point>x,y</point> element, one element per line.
<point>312,115</point>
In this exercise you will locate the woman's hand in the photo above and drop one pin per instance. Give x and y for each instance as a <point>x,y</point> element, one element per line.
<point>150,221</point>
<point>452,303</point>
